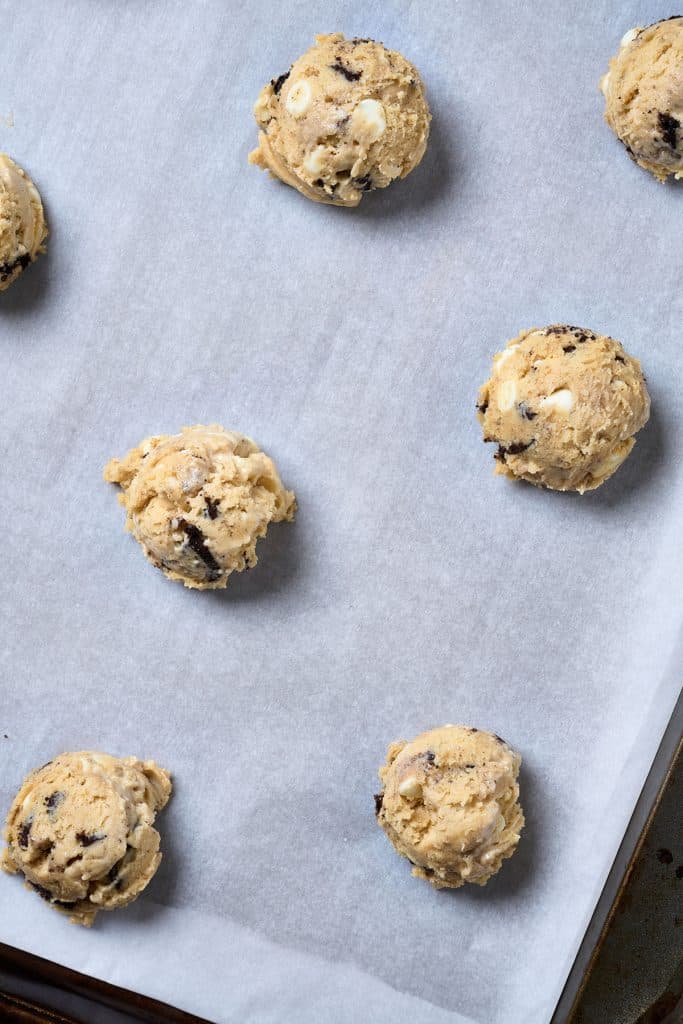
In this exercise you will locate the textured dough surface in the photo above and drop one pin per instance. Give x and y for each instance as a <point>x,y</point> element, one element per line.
<point>80,831</point>
<point>450,804</point>
<point>349,116</point>
<point>22,221</point>
<point>563,405</point>
<point>198,501</point>
<point>643,91</point>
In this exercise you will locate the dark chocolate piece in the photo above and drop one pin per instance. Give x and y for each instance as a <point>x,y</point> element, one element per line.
<point>278,82</point>
<point>579,334</point>
<point>365,184</point>
<point>665,856</point>
<point>8,268</point>
<point>197,541</point>
<point>483,407</point>
<point>569,348</point>
<point>668,126</point>
<point>87,840</point>
<point>516,448</point>
<point>526,412</point>
<point>431,757</point>
<point>620,359</point>
<point>349,75</point>
<point>212,508</point>
<point>54,800</point>
<point>379,799</point>
<point>23,833</point>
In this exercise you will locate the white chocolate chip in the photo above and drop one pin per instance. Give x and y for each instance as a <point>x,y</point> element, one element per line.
<point>503,356</point>
<point>632,34</point>
<point>410,788</point>
<point>604,83</point>
<point>507,395</point>
<point>299,98</point>
<point>315,161</point>
<point>369,120</point>
<point>563,400</point>
<point>608,465</point>
<point>391,170</point>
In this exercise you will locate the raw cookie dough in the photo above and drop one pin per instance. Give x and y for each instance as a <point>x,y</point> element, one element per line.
<point>349,116</point>
<point>22,221</point>
<point>80,831</point>
<point>644,94</point>
<point>449,804</point>
<point>198,501</point>
<point>563,405</point>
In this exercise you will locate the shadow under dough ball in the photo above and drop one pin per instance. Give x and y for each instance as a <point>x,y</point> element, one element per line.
<point>349,116</point>
<point>563,405</point>
<point>198,501</point>
<point>22,221</point>
<point>450,804</point>
<point>80,831</point>
<point>643,91</point>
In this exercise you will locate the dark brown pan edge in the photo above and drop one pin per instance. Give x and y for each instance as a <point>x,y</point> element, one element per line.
<point>30,986</point>
<point>670,750</point>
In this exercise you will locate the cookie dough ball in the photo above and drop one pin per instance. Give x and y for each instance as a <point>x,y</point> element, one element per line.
<point>449,804</point>
<point>80,831</point>
<point>563,405</point>
<point>349,116</point>
<point>22,221</point>
<point>198,501</point>
<point>644,94</point>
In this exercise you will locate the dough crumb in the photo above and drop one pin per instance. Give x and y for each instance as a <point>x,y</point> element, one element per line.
<point>198,501</point>
<point>80,831</point>
<point>349,116</point>
<point>643,91</point>
<point>563,405</point>
<point>449,803</point>
<point>22,221</point>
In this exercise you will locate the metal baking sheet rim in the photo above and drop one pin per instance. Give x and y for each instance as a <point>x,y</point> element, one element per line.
<point>96,992</point>
<point>670,749</point>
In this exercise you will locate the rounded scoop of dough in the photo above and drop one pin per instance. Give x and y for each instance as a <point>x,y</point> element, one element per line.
<point>80,831</point>
<point>643,91</point>
<point>349,116</point>
<point>563,405</point>
<point>22,221</point>
<point>450,804</point>
<point>198,501</point>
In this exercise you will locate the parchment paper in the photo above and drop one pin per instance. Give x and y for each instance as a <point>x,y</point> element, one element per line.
<point>183,286</point>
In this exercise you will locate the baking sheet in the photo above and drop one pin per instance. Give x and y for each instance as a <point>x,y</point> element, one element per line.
<point>182,286</point>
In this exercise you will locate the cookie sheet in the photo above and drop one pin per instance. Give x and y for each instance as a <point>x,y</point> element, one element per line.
<point>183,286</point>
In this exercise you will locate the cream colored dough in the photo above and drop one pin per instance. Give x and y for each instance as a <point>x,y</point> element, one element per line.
<point>348,117</point>
<point>198,501</point>
<point>563,405</point>
<point>22,221</point>
<point>80,831</point>
<point>449,804</point>
<point>643,91</point>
